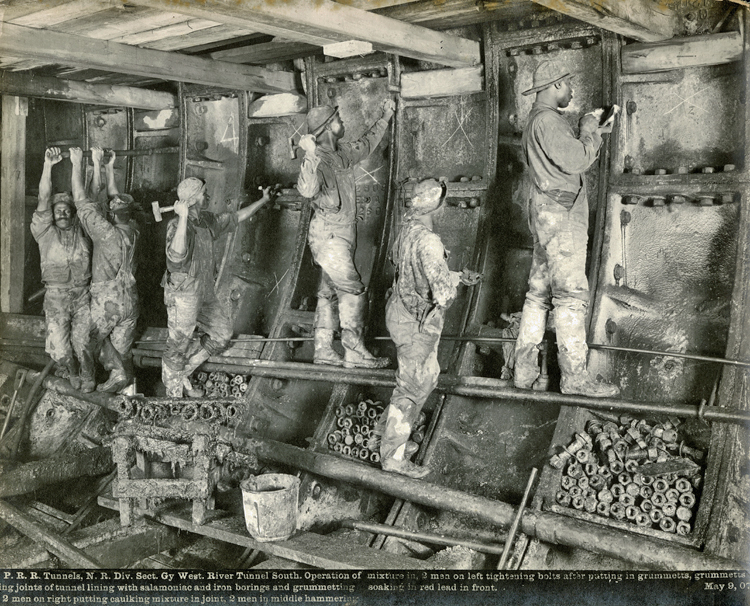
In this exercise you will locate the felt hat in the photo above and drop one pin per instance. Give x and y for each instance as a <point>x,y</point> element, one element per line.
<point>318,117</point>
<point>121,202</point>
<point>546,74</point>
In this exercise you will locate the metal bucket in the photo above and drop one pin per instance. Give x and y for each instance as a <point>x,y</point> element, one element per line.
<point>270,504</point>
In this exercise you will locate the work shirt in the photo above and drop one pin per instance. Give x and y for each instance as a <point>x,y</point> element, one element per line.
<point>423,280</point>
<point>555,156</point>
<point>114,245</point>
<point>194,272</point>
<point>65,253</point>
<point>327,176</point>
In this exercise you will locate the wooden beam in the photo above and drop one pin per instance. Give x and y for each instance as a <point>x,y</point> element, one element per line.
<point>678,53</point>
<point>325,21</point>
<point>159,33</point>
<point>25,85</point>
<point>124,59</point>
<point>642,20</point>
<point>442,82</point>
<point>13,203</point>
<point>266,52</point>
<point>60,13</point>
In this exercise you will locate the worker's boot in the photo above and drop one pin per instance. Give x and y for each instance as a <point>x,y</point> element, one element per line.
<point>530,335</point>
<point>71,364</point>
<point>189,390</point>
<point>324,351</point>
<point>356,355</point>
<point>111,359</point>
<point>326,322</point>
<point>172,380</point>
<point>572,354</point>
<point>88,382</point>
<point>116,381</point>
<point>399,464</point>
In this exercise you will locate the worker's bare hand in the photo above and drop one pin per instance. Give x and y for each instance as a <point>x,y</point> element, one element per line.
<point>97,153</point>
<point>111,158</point>
<point>181,208</point>
<point>389,107</point>
<point>76,155</point>
<point>52,156</point>
<point>470,278</point>
<point>606,128</point>
<point>307,142</point>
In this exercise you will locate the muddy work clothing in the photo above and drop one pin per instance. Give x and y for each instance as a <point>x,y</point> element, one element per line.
<point>327,177</point>
<point>66,262</point>
<point>558,220</point>
<point>114,296</point>
<point>415,313</point>
<point>190,296</point>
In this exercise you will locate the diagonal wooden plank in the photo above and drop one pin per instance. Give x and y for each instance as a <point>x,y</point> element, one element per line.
<point>70,11</point>
<point>643,20</point>
<point>325,21</point>
<point>78,51</point>
<point>159,33</point>
<point>193,41</point>
<point>266,52</point>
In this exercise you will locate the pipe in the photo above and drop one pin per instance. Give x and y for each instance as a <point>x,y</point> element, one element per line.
<point>66,551</point>
<point>36,475</point>
<point>516,521</point>
<point>98,398</point>
<point>545,526</point>
<point>422,537</point>
<point>491,389</point>
<point>673,354</point>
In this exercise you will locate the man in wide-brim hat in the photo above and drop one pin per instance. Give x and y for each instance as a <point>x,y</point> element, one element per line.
<point>558,220</point>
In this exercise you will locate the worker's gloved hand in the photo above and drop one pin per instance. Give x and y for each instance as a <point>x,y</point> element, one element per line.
<point>97,153</point>
<point>389,107</point>
<point>76,155</point>
<point>52,156</point>
<point>307,142</point>
<point>181,208</point>
<point>470,278</point>
<point>589,123</point>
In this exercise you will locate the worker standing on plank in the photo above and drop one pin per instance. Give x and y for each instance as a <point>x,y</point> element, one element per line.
<point>423,290</point>
<point>65,253</point>
<point>558,219</point>
<point>189,284</point>
<point>327,177</point>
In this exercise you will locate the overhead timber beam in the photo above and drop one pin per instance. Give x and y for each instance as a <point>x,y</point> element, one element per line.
<point>642,20</point>
<point>324,22</point>
<point>679,53</point>
<point>79,51</point>
<point>24,85</point>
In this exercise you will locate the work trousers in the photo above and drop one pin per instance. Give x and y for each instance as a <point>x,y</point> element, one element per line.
<point>114,313</point>
<point>557,278</point>
<point>67,314</point>
<point>417,375</point>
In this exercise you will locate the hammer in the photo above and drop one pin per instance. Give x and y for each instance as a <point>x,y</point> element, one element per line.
<point>20,379</point>
<point>159,210</point>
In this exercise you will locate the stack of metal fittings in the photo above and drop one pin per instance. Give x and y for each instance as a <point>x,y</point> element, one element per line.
<point>220,384</point>
<point>153,412</point>
<point>634,470</point>
<point>359,428</point>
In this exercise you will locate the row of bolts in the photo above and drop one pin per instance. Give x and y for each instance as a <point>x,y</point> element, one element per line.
<point>189,410</point>
<point>608,482</point>
<point>659,200</point>
<point>356,435</point>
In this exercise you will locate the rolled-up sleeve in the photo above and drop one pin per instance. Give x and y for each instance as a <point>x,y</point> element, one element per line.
<point>41,221</point>
<point>308,183</point>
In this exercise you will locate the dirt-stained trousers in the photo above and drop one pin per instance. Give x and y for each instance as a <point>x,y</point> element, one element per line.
<point>557,278</point>
<point>114,313</point>
<point>67,315</point>
<point>417,375</point>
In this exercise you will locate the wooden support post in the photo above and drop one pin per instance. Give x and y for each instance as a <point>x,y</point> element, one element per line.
<point>12,203</point>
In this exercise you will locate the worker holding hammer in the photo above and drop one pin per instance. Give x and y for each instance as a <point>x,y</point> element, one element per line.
<point>423,289</point>
<point>189,284</point>
<point>327,177</point>
<point>114,296</point>
<point>558,219</point>
<point>65,252</point>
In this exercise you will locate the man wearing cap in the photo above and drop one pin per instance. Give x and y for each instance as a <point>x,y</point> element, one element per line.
<point>558,220</point>
<point>65,253</point>
<point>114,297</point>
<point>189,288</point>
<point>327,177</point>
<point>423,289</point>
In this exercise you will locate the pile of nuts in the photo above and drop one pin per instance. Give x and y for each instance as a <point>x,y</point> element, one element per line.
<point>152,412</point>
<point>610,470</point>
<point>359,428</point>
<point>219,384</point>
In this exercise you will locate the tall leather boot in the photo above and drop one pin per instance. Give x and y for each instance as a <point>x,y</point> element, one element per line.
<point>326,321</point>
<point>88,374</point>
<point>356,355</point>
<point>193,363</point>
<point>111,360</point>
<point>572,353</point>
<point>71,364</point>
<point>530,335</point>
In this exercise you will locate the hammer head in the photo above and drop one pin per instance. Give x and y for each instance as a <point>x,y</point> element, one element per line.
<point>157,211</point>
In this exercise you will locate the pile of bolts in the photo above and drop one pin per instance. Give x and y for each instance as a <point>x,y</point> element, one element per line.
<point>608,470</point>
<point>153,413</point>
<point>219,384</point>
<point>359,428</point>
